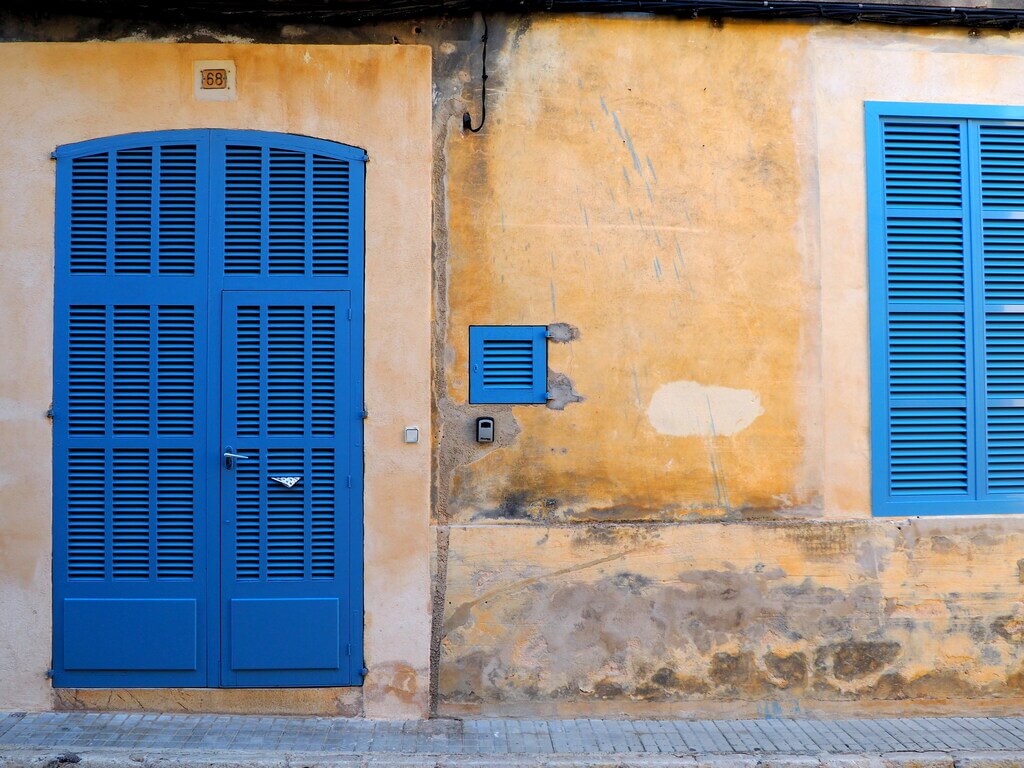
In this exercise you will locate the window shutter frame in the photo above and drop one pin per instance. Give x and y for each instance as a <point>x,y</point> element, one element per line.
<point>989,325</point>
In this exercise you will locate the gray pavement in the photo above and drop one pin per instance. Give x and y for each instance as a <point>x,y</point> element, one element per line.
<point>113,740</point>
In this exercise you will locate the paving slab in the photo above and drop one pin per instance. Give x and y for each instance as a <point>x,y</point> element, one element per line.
<point>86,739</point>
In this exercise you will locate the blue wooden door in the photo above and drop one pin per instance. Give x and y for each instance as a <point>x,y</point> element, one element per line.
<point>130,412</point>
<point>288,519</point>
<point>168,245</point>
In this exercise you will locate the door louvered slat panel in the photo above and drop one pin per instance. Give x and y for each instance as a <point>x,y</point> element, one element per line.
<point>929,371</point>
<point>286,212</point>
<point>89,214</point>
<point>131,370</point>
<point>128,362</point>
<point>133,210</point>
<point>290,499</point>
<point>1000,153</point>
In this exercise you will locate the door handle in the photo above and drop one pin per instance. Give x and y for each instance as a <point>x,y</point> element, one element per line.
<point>229,458</point>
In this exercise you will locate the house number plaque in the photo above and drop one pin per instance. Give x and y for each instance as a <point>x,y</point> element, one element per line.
<point>214,80</point>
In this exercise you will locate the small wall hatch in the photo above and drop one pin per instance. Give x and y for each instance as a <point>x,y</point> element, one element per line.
<point>508,364</point>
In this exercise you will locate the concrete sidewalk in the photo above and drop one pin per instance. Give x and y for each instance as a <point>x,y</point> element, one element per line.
<point>107,740</point>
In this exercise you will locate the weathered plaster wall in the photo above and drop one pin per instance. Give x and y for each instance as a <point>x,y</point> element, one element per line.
<point>649,183</point>
<point>374,97</point>
<point>695,534</point>
<point>690,532</point>
<point>735,619</point>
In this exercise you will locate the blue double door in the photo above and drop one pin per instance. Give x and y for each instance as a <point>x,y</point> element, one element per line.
<point>208,411</point>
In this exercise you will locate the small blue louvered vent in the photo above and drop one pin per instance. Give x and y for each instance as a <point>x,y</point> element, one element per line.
<point>133,212</point>
<point>508,364</point>
<point>144,498</point>
<point>287,212</point>
<point>146,355</point>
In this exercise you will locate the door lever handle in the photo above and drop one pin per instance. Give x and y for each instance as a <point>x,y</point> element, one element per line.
<point>229,458</point>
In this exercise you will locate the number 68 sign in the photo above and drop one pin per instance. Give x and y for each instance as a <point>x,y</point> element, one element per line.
<point>213,80</point>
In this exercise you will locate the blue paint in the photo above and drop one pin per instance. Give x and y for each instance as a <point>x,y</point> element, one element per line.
<point>167,229</point>
<point>508,363</point>
<point>604,107</point>
<point>650,167</point>
<point>278,623</point>
<point>113,636</point>
<point>946,286</point>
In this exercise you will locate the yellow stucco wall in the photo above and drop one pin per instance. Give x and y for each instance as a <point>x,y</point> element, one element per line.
<point>377,98</point>
<point>695,535</point>
<point>650,183</point>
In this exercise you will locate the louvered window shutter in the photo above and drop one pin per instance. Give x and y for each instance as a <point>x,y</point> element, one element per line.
<point>922,316</point>
<point>947,293</point>
<point>999,204</point>
<point>128,362</point>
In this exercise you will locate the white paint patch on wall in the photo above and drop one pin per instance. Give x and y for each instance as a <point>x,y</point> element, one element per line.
<point>689,409</point>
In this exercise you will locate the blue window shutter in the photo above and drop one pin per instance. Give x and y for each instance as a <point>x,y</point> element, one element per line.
<point>128,574</point>
<point>923,349</point>
<point>999,203</point>
<point>508,364</point>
